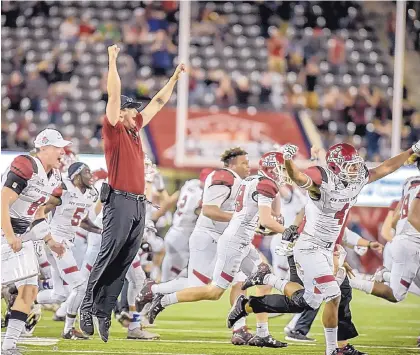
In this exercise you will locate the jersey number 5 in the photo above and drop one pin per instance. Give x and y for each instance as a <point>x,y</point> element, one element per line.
<point>341,214</point>
<point>239,203</point>
<point>77,216</point>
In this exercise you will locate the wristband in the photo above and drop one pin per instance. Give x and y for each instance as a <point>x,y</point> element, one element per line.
<point>369,244</point>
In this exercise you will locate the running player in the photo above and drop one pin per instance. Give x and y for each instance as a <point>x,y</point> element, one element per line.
<point>332,192</point>
<point>405,268</point>
<point>254,202</point>
<point>186,214</point>
<point>220,189</point>
<point>77,199</point>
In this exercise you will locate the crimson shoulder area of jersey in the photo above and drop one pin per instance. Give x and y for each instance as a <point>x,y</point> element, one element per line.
<point>267,188</point>
<point>23,166</point>
<point>21,170</point>
<point>317,174</point>
<point>58,191</point>
<point>222,177</point>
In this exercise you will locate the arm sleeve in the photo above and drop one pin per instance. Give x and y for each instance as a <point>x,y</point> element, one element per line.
<point>264,200</point>
<point>108,129</point>
<point>351,237</point>
<point>15,182</point>
<point>139,120</point>
<point>216,195</point>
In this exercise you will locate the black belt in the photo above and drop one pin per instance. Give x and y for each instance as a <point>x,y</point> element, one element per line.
<point>129,195</point>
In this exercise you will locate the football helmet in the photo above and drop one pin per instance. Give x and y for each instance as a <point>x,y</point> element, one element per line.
<point>67,159</point>
<point>271,165</point>
<point>345,162</point>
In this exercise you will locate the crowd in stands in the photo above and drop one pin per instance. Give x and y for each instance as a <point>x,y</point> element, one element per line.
<point>297,71</point>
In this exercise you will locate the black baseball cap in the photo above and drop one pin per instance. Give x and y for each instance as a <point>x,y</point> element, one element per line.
<point>128,102</point>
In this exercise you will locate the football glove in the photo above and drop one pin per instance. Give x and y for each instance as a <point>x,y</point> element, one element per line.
<point>290,234</point>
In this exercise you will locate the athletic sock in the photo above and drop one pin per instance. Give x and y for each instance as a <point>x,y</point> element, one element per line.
<point>14,329</point>
<point>331,339</point>
<point>135,320</point>
<point>174,285</point>
<point>362,285</point>
<point>277,282</point>
<point>239,324</point>
<point>69,324</point>
<point>262,330</point>
<point>169,299</point>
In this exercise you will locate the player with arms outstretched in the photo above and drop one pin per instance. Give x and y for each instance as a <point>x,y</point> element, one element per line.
<point>332,191</point>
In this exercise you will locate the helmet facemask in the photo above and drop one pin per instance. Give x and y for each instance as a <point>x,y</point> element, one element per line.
<point>352,171</point>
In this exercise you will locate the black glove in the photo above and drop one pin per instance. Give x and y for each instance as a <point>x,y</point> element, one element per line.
<point>290,234</point>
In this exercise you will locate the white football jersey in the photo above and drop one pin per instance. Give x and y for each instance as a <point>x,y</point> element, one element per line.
<point>253,192</point>
<point>220,189</point>
<point>326,214</point>
<point>411,191</point>
<point>189,200</point>
<point>39,187</point>
<point>75,207</point>
<point>292,205</point>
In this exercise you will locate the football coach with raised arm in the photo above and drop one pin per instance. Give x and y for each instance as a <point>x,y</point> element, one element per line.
<point>123,197</point>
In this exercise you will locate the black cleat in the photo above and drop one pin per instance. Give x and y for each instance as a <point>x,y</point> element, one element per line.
<point>350,350</point>
<point>103,326</point>
<point>258,277</point>
<point>266,342</point>
<point>74,334</point>
<point>237,311</point>
<point>155,308</point>
<point>241,336</point>
<point>86,323</point>
<point>299,337</point>
<point>145,296</point>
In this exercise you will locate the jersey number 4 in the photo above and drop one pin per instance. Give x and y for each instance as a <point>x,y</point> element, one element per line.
<point>404,207</point>
<point>77,216</point>
<point>341,214</point>
<point>239,203</point>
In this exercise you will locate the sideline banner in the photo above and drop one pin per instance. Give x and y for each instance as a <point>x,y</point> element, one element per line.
<point>210,133</point>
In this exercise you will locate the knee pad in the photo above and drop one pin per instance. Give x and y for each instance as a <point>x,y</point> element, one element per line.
<point>299,300</point>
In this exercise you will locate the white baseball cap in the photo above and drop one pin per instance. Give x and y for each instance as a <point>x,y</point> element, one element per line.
<point>52,137</point>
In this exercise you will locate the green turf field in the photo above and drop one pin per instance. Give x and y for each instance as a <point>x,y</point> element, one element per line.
<point>200,329</point>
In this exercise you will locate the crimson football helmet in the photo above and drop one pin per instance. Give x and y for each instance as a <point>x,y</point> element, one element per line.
<point>345,162</point>
<point>67,159</point>
<point>271,165</point>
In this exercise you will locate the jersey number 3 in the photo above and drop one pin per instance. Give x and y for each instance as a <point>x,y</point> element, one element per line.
<point>77,216</point>
<point>239,203</point>
<point>341,214</point>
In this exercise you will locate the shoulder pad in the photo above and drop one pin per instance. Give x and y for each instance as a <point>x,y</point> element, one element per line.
<point>223,177</point>
<point>317,174</point>
<point>267,188</point>
<point>24,166</point>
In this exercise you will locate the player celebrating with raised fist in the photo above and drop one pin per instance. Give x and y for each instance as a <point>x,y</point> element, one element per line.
<point>332,191</point>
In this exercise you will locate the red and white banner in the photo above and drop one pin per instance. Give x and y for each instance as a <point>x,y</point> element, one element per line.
<point>209,134</point>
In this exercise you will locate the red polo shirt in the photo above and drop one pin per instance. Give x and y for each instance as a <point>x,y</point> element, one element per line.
<point>124,156</point>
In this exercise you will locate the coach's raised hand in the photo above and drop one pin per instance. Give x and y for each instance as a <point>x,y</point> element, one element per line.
<point>113,52</point>
<point>181,68</point>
